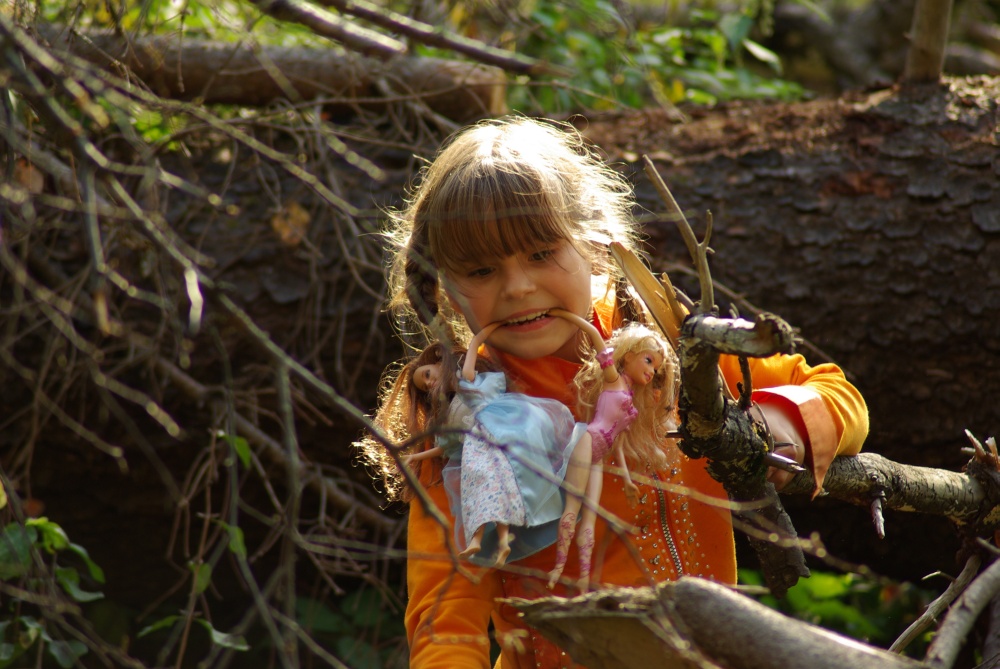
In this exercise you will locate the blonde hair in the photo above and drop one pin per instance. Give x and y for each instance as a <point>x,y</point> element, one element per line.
<point>497,188</point>
<point>656,402</point>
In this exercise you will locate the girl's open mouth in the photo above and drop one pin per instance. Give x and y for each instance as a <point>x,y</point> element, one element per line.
<point>528,321</point>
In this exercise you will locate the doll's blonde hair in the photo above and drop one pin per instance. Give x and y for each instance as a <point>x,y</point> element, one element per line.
<point>656,402</point>
<point>498,188</point>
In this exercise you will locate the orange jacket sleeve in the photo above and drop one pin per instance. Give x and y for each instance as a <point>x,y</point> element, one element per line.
<point>831,410</point>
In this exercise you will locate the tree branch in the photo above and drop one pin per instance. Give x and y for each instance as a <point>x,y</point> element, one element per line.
<point>364,41</point>
<point>713,425</point>
<point>424,33</point>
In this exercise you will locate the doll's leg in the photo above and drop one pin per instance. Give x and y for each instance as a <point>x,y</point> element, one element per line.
<point>504,537</point>
<point>631,489</point>
<point>588,519</point>
<point>475,545</point>
<point>577,478</point>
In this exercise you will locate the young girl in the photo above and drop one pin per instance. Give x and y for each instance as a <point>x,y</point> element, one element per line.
<point>510,221</point>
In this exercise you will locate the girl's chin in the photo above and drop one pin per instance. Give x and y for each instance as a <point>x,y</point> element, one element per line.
<point>534,344</point>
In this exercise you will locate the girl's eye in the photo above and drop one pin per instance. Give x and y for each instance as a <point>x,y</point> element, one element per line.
<point>544,254</point>
<point>479,272</point>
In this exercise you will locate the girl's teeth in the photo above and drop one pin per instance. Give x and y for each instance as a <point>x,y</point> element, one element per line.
<point>521,321</point>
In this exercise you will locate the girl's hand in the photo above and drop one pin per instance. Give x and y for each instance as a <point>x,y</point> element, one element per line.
<point>785,431</point>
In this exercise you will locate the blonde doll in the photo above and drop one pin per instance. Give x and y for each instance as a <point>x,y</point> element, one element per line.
<point>627,391</point>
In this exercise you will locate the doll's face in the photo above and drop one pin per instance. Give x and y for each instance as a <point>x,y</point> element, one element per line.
<point>641,366</point>
<point>427,377</point>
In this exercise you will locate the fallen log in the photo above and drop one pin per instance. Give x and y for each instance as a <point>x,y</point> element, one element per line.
<point>211,72</point>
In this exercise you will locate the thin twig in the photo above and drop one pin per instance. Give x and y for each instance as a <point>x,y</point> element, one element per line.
<point>938,606</point>
<point>951,635</point>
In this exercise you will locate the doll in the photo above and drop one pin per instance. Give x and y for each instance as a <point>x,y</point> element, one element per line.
<point>507,456</point>
<point>627,390</point>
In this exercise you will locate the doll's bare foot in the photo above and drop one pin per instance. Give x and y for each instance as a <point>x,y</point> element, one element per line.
<point>503,551</point>
<point>470,550</point>
<point>567,528</point>
<point>631,494</point>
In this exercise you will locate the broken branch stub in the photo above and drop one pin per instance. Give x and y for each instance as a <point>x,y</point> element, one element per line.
<point>692,623</point>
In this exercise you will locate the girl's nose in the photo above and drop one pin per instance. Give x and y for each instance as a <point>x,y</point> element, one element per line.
<point>517,282</point>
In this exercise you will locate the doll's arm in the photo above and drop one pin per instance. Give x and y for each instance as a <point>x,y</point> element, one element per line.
<point>631,489</point>
<point>422,455</point>
<point>469,366</point>
<point>608,370</point>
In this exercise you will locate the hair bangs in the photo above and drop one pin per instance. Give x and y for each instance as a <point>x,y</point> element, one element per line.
<point>496,213</point>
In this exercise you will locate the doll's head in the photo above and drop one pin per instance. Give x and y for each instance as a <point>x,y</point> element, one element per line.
<point>499,189</point>
<point>655,400</point>
<point>408,407</point>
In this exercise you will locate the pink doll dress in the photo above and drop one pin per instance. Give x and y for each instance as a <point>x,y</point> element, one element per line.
<point>507,461</point>
<point>612,416</point>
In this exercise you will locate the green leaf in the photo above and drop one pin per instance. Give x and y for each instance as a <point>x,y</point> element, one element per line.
<point>315,616</point>
<point>160,624</point>
<point>763,54</point>
<point>822,585</point>
<point>95,571</point>
<point>240,446</point>
<point>364,607</point>
<point>15,550</point>
<point>69,579</point>
<point>53,537</point>
<point>66,653</point>
<point>735,27</point>
<point>202,576</point>
<point>358,654</point>
<point>236,542</point>
<point>234,641</point>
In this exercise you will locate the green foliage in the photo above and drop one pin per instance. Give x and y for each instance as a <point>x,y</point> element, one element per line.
<point>33,555</point>
<point>873,611</point>
<point>355,628</point>
<point>709,60</point>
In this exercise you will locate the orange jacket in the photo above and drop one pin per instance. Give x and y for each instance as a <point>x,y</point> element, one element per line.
<point>681,527</point>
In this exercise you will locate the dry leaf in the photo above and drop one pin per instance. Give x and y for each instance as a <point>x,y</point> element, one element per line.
<point>291,223</point>
<point>29,176</point>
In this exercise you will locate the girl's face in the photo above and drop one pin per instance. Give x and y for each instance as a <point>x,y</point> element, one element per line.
<point>641,366</point>
<point>427,377</point>
<point>518,290</point>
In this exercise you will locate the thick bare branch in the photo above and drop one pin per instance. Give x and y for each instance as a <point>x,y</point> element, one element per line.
<point>856,479</point>
<point>424,33</point>
<point>365,42</point>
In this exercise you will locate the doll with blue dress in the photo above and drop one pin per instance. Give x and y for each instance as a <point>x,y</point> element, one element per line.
<point>507,454</point>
